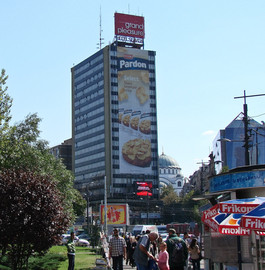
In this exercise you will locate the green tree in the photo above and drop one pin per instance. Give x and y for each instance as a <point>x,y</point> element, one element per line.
<point>225,169</point>
<point>22,150</point>
<point>32,216</point>
<point>168,195</point>
<point>5,103</point>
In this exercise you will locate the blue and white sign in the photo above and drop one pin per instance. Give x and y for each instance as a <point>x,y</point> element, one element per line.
<point>238,180</point>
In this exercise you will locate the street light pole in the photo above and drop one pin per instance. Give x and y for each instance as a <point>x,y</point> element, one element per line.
<point>87,209</point>
<point>147,207</point>
<point>105,205</point>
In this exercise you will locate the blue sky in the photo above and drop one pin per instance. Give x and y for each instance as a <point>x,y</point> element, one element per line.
<point>207,52</point>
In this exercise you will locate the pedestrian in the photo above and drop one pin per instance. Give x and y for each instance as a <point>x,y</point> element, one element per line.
<point>71,251</point>
<point>142,253</point>
<point>117,250</point>
<point>194,251</point>
<point>177,250</point>
<point>128,247</point>
<point>163,257</point>
<point>133,246</point>
<point>187,238</point>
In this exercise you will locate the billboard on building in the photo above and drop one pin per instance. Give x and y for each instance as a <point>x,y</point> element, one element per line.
<point>129,25</point>
<point>134,111</point>
<point>144,188</point>
<point>116,214</point>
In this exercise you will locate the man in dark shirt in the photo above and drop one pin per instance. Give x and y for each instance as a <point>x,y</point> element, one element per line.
<point>142,254</point>
<point>172,239</point>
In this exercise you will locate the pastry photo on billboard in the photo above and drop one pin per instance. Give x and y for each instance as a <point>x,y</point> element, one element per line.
<point>137,152</point>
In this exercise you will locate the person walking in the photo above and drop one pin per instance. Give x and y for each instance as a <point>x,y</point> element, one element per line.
<point>177,250</point>
<point>117,250</point>
<point>71,252</point>
<point>142,253</point>
<point>187,240</point>
<point>194,251</point>
<point>163,257</point>
<point>128,247</point>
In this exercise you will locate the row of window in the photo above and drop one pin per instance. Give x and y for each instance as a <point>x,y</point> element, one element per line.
<point>85,142</point>
<point>83,151</point>
<point>93,80</point>
<point>84,88</point>
<point>90,123</point>
<point>82,68</point>
<point>89,157</point>
<point>90,131</point>
<point>90,92</point>
<point>97,112</point>
<point>87,167</point>
<point>169,171</point>
<point>91,174</point>
<point>91,106</point>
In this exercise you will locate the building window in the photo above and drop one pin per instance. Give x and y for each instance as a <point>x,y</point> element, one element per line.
<point>179,183</point>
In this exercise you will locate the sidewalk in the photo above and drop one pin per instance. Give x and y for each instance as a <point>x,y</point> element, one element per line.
<point>128,267</point>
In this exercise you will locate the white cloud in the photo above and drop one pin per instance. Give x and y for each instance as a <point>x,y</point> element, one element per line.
<point>208,133</point>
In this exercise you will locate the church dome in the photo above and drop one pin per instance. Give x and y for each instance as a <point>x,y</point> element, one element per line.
<point>167,161</point>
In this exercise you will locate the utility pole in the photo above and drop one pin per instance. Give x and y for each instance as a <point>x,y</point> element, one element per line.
<point>245,120</point>
<point>246,145</point>
<point>202,174</point>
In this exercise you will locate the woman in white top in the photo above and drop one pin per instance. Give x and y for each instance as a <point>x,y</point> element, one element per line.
<point>194,251</point>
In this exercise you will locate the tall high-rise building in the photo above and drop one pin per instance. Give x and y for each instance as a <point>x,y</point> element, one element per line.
<point>114,122</point>
<point>229,145</point>
<point>63,152</point>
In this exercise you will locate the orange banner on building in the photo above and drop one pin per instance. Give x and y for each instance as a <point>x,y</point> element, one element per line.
<point>116,214</point>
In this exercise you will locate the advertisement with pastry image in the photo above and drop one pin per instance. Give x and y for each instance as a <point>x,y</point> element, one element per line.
<point>134,110</point>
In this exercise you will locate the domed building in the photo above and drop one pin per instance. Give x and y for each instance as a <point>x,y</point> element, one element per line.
<point>170,173</point>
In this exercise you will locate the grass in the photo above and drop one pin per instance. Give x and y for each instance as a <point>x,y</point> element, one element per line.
<point>84,257</point>
<point>56,259</point>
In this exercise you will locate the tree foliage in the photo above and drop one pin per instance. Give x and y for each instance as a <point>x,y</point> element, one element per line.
<point>169,196</point>
<point>32,216</point>
<point>23,153</point>
<point>5,102</point>
<point>21,149</point>
<point>225,169</point>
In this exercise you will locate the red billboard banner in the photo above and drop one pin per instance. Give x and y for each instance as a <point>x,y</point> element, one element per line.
<point>144,188</point>
<point>129,25</point>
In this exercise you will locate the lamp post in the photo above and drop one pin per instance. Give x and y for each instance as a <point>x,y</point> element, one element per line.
<point>87,208</point>
<point>147,207</point>
<point>105,205</point>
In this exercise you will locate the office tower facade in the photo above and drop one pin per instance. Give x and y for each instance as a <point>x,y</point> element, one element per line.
<point>229,145</point>
<point>114,123</point>
<point>63,152</point>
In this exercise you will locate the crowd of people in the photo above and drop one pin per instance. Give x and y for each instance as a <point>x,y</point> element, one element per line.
<point>149,252</point>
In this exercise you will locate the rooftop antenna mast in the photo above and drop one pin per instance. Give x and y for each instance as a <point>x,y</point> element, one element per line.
<point>100,33</point>
<point>245,120</point>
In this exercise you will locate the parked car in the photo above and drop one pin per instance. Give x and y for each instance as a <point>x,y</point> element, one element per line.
<point>67,237</point>
<point>84,236</point>
<point>78,242</point>
<point>82,243</point>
